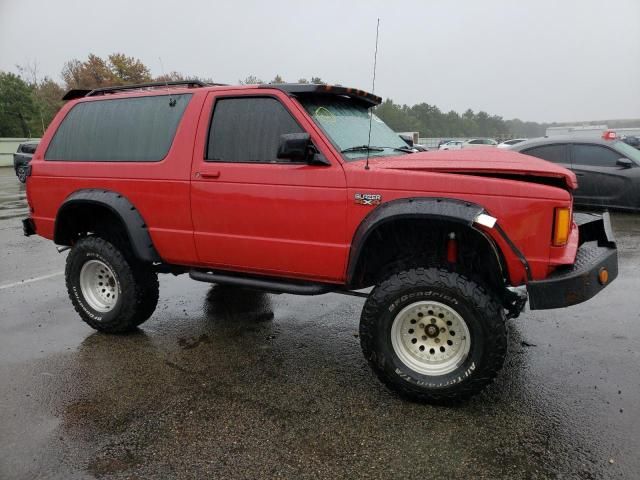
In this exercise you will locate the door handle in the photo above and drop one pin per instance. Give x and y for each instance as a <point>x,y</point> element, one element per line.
<point>209,175</point>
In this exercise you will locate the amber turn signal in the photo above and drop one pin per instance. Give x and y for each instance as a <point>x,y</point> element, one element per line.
<point>561,226</point>
<point>603,276</point>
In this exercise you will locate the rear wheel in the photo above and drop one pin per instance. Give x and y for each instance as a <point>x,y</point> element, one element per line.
<point>21,172</point>
<point>111,294</point>
<point>433,335</point>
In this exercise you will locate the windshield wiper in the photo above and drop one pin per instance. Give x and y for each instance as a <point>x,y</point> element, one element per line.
<point>401,149</point>
<point>374,148</point>
<point>360,148</point>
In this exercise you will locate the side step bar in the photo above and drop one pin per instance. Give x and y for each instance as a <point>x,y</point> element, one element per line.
<point>264,283</point>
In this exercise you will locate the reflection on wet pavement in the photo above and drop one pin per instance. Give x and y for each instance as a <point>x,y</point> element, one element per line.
<point>224,382</point>
<point>12,195</point>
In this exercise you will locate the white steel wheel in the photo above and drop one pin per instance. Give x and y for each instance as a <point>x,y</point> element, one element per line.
<point>430,338</point>
<point>99,285</point>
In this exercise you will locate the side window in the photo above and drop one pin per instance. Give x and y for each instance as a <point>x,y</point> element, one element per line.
<point>137,129</point>
<point>475,142</point>
<point>551,153</point>
<point>594,156</point>
<point>248,129</point>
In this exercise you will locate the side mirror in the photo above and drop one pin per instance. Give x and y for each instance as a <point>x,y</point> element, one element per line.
<point>294,146</point>
<point>297,147</point>
<point>624,163</point>
<point>408,139</point>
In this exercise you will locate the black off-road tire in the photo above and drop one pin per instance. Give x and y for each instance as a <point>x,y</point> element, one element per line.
<point>136,284</point>
<point>480,311</point>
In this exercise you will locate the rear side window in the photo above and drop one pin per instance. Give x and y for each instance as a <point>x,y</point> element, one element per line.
<point>551,153</point>
<point>248,130</point>
<point>594,155</point>
<point>119,130</point>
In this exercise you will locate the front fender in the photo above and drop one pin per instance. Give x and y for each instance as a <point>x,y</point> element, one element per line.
<point>449,209</point>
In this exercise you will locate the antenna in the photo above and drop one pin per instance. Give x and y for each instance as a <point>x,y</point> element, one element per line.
<point>172,101</point>
<point>373,90</point>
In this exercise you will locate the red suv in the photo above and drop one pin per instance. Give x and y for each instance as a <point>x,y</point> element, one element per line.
<point>302,189</point>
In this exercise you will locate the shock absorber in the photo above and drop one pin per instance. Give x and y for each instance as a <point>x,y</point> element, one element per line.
<point>452,248</point>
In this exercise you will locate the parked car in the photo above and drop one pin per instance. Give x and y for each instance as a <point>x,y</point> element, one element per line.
<point>416,147</point>
<point>632,140</point>
<point>608,170</point>
<point>292,189</point>
<point>512,142</point>
<point>451,145</point>
<point>480,143</point>
<point>21,159</point>
<point>443,141</point>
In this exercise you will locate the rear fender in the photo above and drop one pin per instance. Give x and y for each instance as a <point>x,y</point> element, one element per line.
<point>119,205</point>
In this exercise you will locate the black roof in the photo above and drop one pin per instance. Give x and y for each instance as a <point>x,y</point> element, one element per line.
<point>78,93</point>
<point>291,88</point>
<point>536,142</point>
<point>319,89</point>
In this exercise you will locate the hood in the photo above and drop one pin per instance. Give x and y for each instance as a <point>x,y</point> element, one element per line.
<point>492,162</point>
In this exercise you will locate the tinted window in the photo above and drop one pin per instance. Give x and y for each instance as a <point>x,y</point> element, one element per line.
<point>551,153</point>
<point>475,142</point>
<point>126,129</point>
<point>248,129</point>
<point>594,155</point>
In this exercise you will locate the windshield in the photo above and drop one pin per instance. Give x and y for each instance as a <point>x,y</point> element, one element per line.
<point>346,122</point>
<point>629,151</point>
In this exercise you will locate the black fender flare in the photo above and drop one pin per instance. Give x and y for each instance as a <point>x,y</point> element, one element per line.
<point>449,209</point>
<point>118,204</point>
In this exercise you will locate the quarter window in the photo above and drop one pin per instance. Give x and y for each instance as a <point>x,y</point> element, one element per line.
<point>594,155</point>
<point>138,129</point>
<point>551,153</point>
<point>248,129</point>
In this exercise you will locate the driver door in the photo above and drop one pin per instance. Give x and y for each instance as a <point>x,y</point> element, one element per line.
<point>255,213</point>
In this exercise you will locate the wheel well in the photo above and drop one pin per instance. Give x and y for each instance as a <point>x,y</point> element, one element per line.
<point>407,243</point>
<point>81,219</point>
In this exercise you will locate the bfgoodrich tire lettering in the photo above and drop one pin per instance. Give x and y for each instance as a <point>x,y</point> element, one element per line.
<point>474,367</point>
<point>136,287</point>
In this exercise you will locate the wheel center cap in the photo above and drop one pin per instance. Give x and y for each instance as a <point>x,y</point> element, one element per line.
<point>432,330</point>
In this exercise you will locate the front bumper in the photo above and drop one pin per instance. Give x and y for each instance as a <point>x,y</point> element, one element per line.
<point>579,282</point>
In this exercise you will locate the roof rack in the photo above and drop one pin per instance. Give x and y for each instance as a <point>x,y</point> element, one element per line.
<point>313,88</point>
<point>79,93</point>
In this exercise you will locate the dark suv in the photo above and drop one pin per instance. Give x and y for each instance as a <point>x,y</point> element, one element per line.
<point>21,159</point>
<point>608,170</point>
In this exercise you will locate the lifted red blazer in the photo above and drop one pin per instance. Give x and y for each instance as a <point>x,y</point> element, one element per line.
<point>302,189</point>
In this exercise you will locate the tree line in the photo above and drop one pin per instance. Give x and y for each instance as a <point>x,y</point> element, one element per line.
<point>28,103</point>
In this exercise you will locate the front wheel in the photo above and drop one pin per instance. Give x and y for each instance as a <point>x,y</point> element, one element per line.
<point>111,293</point>
<point>433,335</point>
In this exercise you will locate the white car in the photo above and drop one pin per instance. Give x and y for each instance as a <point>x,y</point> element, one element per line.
<point>509,143</point>
<point>452,145</point>
<point>480,143</point>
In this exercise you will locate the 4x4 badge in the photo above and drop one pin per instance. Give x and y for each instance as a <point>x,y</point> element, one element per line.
<point>368,198</point>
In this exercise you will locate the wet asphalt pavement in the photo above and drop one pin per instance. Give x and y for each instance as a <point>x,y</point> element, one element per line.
<point>224,383</point>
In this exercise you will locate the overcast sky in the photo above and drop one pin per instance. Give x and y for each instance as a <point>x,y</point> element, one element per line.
<point>557,60</point>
